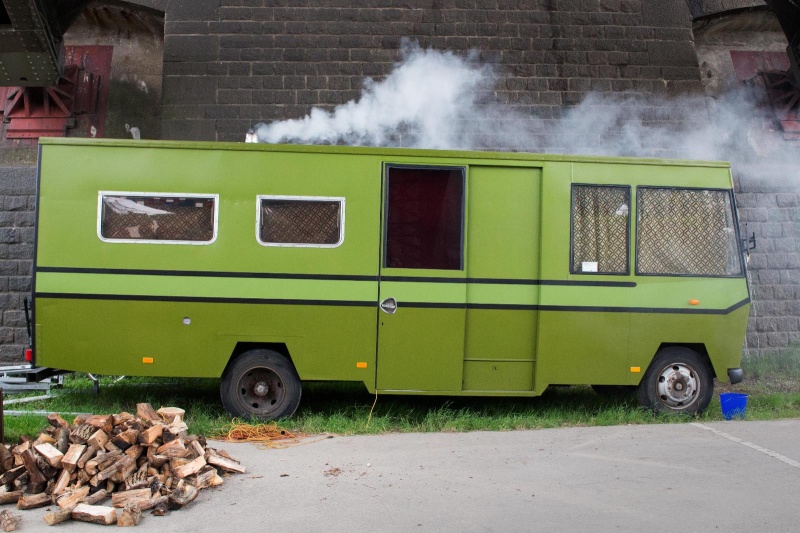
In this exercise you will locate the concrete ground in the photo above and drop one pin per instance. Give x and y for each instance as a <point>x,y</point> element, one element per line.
<point>726,476</point>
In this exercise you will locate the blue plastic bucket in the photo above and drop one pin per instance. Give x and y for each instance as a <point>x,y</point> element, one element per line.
<point>734,404</point>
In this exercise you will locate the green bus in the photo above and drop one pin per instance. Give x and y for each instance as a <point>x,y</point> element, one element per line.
<point>411,271</point>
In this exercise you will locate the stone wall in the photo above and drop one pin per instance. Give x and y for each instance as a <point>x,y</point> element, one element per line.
<point>229,64</point>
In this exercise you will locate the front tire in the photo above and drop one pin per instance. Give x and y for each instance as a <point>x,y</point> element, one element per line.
<point>261,385</point>
<point>678,380</point>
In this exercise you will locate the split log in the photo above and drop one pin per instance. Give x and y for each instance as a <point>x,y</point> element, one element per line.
<point>131,516</point>
<point>153,502</point>
<point>121,499</point>
<point>35,476</point>
<point>104,422</point>
<point>32,501</point>
<point>50,454</point>
<point>161,508</point>
<point>198,448</point>
<point>56,517</point>
<point>225,464</point>
<point>62,483</point>
<point>138,479</point>
<point>174,448</point>
<point>73,498</point>
<point>207,477</point>
<point>190,468</point>
<point>6,458</point>
<point>149,435</point>
<point>10,475</point>
<point>134,452</point>
<point>98,439</point>
<point>121,463</point>
<point>111,447</point>
<point>62,442</point>
<point>145,411</point>
<point>122,418</point>
<point>183,495</point>
<point>70,460</point>
<point>80,434</point>
<point>87,455</point>
<point>8,522</point>
<point>98,496</point>
<point>169,413</point>
<point>10,497</point>
<point>56,421</point>
<point>96,514</point>
<point>44,438</point>
<point>126,439</point>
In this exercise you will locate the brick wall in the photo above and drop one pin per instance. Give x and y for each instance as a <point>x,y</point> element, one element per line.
<point>17,189</point>
<point>229,64</point>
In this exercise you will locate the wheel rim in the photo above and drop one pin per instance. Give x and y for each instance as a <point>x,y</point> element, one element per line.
<point>678,386</point>
<point>260,391</point>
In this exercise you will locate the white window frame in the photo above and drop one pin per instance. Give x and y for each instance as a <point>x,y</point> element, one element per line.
<point>103,194</point>
<point>339,199</point>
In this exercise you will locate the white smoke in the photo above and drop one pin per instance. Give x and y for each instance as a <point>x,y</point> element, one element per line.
<point>435,99</point>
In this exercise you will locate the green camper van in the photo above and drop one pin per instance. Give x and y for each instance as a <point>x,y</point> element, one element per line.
<point>410,271</point>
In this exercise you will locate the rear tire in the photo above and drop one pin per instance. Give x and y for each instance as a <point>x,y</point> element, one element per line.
<point>678,380</point>
<point>261,385</point>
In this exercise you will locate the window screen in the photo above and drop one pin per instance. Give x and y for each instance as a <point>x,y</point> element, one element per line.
<point>424,218</point>
<point>686,232</point>
<point>159,218</point>
<point>301,221</point>
<point>600,229</point>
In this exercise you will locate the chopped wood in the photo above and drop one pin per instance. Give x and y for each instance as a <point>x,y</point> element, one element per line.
<point>50,454</point>
<point>122,418</point>
<point>157,461</point>
<point>98,439</point>
<point>104,422</point>
<point>138,479</point>
<point>131,516</point>
<point>207,477</point>
<point>56,517</point>
<point>173,448</point>
<point>98,496</point>
<point>8,522</point>
<point>32,501</point>
<point>134,452</point>
<point>35,475</point>
<point>80,434</point>
<point>73,497</point>
<point>87,455</point>
<point>96,514</point>
<point>123,473</point>
<point>121,463</point>
<point>10,497</point>
<point>126,439</point>
<point>62,442</point>
<point>70,460</point>
<point>6,458</point>
<point>62,483</point>
<point>145,411</point>
<point>225,464</point>
<point>153,502</point>
<point>169,413</point>
<point>149,435</point>
<point>121,499</point>
<point>111,447</point>
<point>192,467</point>
<point>55,420</point>
<point>183,495</point>
<point>44,438</point>
<point>161,508</point>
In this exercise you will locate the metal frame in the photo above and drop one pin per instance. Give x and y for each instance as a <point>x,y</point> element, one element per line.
<point>340,199</point>
<point>215,228</point>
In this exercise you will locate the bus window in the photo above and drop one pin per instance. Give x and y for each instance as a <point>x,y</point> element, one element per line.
<point>157,218</point>
<point>300,221</point>
<point>425,218</point>
<point>600,222</point>
<point>686,232</point>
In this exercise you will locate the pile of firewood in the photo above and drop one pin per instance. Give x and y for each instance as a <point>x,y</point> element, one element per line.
<point>141,462</point>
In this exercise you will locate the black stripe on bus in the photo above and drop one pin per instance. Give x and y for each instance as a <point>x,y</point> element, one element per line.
<point>412,305</point>
<point>334,277</point>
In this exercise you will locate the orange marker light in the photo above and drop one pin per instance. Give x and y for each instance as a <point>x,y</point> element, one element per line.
<point>694,302</point>
<point>636,369</point>
<point>361,365</point>
<point>147,360</point>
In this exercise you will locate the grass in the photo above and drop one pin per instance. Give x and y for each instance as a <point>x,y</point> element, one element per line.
<point>773,383</point>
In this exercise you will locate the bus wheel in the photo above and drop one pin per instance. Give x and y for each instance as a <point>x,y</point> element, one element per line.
<point>260,384</point>
<point>677,381</point>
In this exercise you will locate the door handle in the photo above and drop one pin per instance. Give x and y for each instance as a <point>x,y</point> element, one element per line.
<point>389,306</point>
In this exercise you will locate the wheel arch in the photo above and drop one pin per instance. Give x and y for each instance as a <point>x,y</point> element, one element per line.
<point>244,347</point>
<point>698,347</point>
